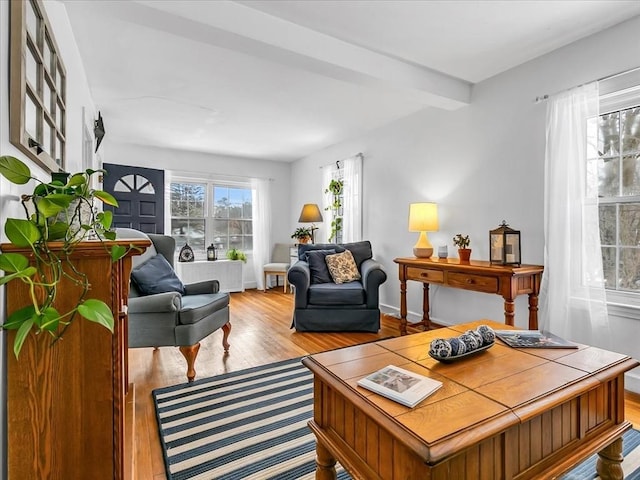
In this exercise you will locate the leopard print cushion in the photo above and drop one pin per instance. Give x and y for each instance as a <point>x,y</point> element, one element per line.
<point>342,267</point>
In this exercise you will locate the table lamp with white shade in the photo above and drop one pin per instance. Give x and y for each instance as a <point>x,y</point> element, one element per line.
<point>423,218</point>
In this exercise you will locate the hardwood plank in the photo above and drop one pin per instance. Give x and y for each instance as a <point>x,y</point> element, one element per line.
<point>261,334</point>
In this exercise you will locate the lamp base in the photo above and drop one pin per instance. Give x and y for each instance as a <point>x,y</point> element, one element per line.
<point>423,252</point>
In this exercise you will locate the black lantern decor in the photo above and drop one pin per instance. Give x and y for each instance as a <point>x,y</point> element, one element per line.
<point>212,254</point>
<point>504,245</point>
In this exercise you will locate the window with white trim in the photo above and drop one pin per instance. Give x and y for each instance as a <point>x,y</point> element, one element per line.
<point>205,213</point>
<point>616,175</point>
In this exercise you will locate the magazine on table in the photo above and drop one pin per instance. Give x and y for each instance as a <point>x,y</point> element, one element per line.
<point>533,339</point>
<point>403,386</point>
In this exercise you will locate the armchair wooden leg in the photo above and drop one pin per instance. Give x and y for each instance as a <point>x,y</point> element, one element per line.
<point>226,329</point>
<point>190,353</point>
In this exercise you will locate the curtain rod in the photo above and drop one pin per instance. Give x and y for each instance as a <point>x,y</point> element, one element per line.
<point>545,97</point>
<point>337,162</point>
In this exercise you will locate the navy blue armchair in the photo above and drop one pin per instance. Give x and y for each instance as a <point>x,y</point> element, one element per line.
<point>321,305</point>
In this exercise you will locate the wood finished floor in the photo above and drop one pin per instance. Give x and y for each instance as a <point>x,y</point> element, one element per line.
<point>260,334</point>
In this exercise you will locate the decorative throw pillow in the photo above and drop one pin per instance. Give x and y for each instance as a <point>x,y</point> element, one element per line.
<point>318,267</point>
<point>156,276</point>
<point>342,267</point>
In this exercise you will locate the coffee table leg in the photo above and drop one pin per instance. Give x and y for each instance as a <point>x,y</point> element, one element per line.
<point>325,463</point>
<point>609,465</point>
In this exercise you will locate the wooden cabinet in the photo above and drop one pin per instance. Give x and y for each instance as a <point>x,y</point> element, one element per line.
<point>66,403</point>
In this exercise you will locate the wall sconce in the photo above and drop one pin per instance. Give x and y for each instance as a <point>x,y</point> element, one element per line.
<point>34,144</point>
<point>310,214</point>
<point>423,218</point>
<point>504,245</point>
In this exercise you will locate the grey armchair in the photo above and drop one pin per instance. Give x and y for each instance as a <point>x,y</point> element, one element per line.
<point>172,318</point>
<point>322,305</point>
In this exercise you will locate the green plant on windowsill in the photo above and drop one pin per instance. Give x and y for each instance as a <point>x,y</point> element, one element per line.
<point>62,213</point>
<point>235,254</point>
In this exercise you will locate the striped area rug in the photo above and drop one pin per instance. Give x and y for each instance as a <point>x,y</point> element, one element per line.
<point>252,424</point>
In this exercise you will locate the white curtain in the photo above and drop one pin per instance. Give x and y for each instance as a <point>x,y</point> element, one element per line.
<point>350,172</point>
<point>573,301</point>
<point>352,203</point>
<point>261,199</point>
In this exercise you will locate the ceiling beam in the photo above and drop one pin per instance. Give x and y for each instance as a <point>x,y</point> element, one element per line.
<point>237,27</point>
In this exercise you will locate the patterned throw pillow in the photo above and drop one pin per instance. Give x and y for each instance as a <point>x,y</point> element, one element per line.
<point>342,267</point>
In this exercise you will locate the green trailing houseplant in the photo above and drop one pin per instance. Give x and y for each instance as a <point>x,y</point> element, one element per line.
<point>58,216</point>
<point>335,189</point>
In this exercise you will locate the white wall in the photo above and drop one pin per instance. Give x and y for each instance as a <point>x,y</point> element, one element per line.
<point>212,166</point>
<point>78,97</point>
<point>481,164</point>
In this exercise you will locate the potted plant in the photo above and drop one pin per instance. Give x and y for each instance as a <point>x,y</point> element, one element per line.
<point>235,254</point>
<point>62,213</point>
<point>302,234</point>
<point>335,189</point>
<point>462,242</point>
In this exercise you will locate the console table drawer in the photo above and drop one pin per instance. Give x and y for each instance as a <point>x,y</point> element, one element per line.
<point>479,283</point>
<point>423,275</point>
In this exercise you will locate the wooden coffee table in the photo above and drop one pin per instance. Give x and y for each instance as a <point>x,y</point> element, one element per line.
<point>504,413</point>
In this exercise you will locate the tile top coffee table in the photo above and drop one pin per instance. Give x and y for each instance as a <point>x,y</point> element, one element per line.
<point>504,413</point>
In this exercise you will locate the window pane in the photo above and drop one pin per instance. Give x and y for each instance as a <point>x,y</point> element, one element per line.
<point>235,227</point>
<point>59,151</point>
<point>630,224</point>
<point>220,228</point>
<point>631,175</point>
<point>60,118</point>
<point>609,267</point>
<point>608,179</point>
<point>631,130</point>
<point>32,22</point>
<point>31,116</point>
<point>47,57</point>
<point>191,231</point>
<point>32,69</point>
<point>47,138</point>
<point>247,243</point>
<point>46,98</point>
<point>221,202</point>
<point>630,269</point>
<point>607,224</point>
<point>609,135</point>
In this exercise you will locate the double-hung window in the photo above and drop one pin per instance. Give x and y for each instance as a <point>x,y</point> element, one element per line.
<point>617,179</point>
<point>205,213</point>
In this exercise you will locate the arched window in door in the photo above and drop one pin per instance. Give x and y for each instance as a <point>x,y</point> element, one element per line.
<point>134,183</point>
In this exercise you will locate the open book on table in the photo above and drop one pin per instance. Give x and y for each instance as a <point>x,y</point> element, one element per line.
<point>403,386</point>
<point>533,339</point>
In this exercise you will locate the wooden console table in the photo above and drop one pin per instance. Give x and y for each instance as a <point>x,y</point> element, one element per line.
<point>507,413</point>
<point>479,276</point>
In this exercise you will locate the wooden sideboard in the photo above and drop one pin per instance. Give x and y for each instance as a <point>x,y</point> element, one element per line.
<point>69,405</point>
<point>479,276</point>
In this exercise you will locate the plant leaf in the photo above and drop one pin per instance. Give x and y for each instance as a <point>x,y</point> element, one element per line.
<point>106,197</point>
<point>117,252</point>
<point>21,336</point>
<point>14,170</point>
<point>49,320</point>
<point>21,233</point>
<point>77,179</point>
<point>27,272</point>
<point>110,235</point>
<point>97,311</point>
<point>58,230</point>
<point>18,317</point>
<point>53,204</point>
<point>13,262</point>
<point>106,218</point>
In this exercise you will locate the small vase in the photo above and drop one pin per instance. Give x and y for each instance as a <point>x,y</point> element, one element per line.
<point>464,254</point>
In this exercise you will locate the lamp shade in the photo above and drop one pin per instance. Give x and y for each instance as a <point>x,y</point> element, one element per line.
<point>310,213</point>
<point>423,217</point>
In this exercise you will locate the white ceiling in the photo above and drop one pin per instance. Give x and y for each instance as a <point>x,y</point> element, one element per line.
<point>282,79</point>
